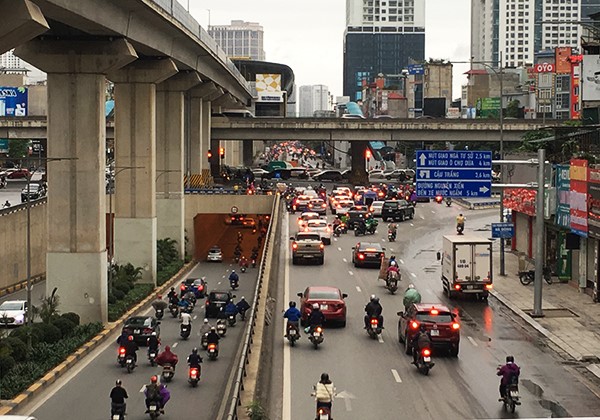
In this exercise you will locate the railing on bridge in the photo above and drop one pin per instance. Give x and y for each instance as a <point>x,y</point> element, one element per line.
<point>175,9</point>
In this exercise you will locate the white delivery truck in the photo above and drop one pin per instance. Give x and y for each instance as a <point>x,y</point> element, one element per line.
<point>466,266</point>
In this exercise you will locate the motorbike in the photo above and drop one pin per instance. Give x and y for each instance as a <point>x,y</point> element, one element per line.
<point>194,376</point>
<point>159,313</point>
<point>391,236</point>
<point>174,309</point>
<point>154,410</point>
<point>168,373</point>
<point>368,228</point>
<point>231,320</point>
<point>117,411</point>
<point>528,276</point>
<point>129,363</point>
<point>292,333</point>
<point>212,351</point>
<point>185,331</point>
<point>151,357</point>
<point>373,328</point>
<point>243,269</point>
<point>204,341</point>
<point>253,262</point>
<point>243,314</point>
<point>234,284</point>
<point>424,363</point>
<point>448,201</point>
<point>460,229</point>
<point>121,356</point>
<point>439,199</point>
<point>323,413</point>
<point>391,282</point>
<point>511,399</point>
<point>221,328</point>
<point>316,337</point>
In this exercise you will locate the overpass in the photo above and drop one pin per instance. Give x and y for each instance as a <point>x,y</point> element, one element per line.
<point>334,129</point>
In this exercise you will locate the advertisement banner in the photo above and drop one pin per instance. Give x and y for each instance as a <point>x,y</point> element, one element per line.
<point>578,197</point>
<point>521,200</point>
<point>562,54</point>
<point>563,196</point>
<point>590,78</point>
<point>575,108</point>
<point>3,145</point>
<point>13,101</point>
<point>416,69</point>
<point>594,203</point>
<point>268,83</point>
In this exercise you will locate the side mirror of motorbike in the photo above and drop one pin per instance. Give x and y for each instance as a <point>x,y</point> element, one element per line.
<point>344,295</point>
<point>292,238</point>
<point>353,247</point>
<point>401,314</point>
<point>439,255</point>
<point>299,294</point>
<point>383,248</point>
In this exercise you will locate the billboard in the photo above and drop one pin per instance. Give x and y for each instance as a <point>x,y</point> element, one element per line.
<point>563,196</point>
<point>13,101</point>
<point>416,69</point>
<point>590,78</point>
<point>521,200</point>
<point>268,88</point>
<point>563,65</point>
<point>594,203</point>
<point>578,198</point>
<point>3,145</point>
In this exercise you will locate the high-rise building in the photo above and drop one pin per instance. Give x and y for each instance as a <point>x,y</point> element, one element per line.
<point>313,98</point>
<point>240,40</point>
<point>381,37</point>
<point>10,63</point>
<point>519,28</point>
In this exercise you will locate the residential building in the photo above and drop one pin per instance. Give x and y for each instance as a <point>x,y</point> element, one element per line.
<point>240,40</point>
<point>313,98</point>
<point>11,64</point>
<point>381,37</point>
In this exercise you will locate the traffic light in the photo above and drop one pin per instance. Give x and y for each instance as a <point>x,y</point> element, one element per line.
<point>209,155</point>
<point>222,152</point>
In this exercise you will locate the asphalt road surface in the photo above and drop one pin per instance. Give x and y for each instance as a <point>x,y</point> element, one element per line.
<point>83,392</point>
<point>375,379</point>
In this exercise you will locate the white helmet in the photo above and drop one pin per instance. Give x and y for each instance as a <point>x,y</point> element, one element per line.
<point>206,320</point>
<point>315,306</point>
<point>411,286</point>
<point>393,263</point>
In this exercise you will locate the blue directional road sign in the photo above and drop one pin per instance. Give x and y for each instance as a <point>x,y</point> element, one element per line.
<point>454,173</point>
<point>503,230</point>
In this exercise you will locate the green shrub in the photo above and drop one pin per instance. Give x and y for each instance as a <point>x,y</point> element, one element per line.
<point>17,348</point>
<point>138,293</point>
<point>48,332</point>
<point>118,295</point>
<point>112,299</point>
<point>7,363</point>
<point>65,325</point>
<point>73,317</point>
<point>22,332</point>
<point>123,286</point>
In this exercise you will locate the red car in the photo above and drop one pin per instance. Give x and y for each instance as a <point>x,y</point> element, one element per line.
<point>330,299</point>
<point>18,174</point>
<point>441,323</point>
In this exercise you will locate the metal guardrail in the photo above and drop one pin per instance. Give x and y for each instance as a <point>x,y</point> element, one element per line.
<point>224,191</point>
<point>238,385</point>
<point>22,206</point>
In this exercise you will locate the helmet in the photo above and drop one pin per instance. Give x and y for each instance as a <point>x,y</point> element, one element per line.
<point>243,298</point>
<point>130,338</point>
<point>232,271</point>
<point>315,306</point>
<point>292,304</point>
<point>154,379</point>
<point>206,320</point>
<point>167,348</point>
<point>375,300</point>
<point>154,333</point>
<point>195,350</point>
<point>393,263</point>
<point>324,377</point>
<point>393,258</point>
<point>510,359</point>
<point>372,298</point>
<point>118,382</point>
<point>423,327</point>
<point>411,286</point>
<point>213,329</point>
<point>172,289</point>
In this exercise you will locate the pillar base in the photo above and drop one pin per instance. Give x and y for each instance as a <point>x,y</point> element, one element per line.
<point>86,271</point>
<point>170,223</point>
<point>135,243</point>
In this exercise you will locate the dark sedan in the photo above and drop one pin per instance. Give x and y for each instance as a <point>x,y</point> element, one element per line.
<point>193,284</point>
<point>141,328</point>
<point>216,301</point>
<point>367,253</point>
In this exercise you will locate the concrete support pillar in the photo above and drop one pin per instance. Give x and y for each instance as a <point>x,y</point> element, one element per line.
<point>170,135</point>
<point>248,152</point>
<point>198,167</point>
<point>76,261</point>
<point>205,140</point>
<point>135,155</point>
<point>583,263</point>
<point>358,174</point>
<point>22,20</point>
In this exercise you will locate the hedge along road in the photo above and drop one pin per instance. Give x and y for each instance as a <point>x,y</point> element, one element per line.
<point>86,388</point>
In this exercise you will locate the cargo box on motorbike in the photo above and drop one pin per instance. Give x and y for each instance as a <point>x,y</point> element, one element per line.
<point>466,265</point>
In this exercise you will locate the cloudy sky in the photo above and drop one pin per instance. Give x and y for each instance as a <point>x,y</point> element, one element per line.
<point>308,35</point>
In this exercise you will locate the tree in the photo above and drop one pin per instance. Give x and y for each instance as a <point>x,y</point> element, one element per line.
<point>512,109</point>
<point>18,148</point>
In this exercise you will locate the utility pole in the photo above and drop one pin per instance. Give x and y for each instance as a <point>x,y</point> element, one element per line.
<point>539,244</point>
<point>502,177</point>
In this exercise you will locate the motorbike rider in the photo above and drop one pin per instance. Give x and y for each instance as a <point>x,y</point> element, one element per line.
<point>157,393</point>
<point>293,316</point>
<point>186,319</point>
<point>153,342</point>
<point>244,261</point>
<point>420,341</point>
<point>373,309</point>
<point>510,374</point>
<point>230,309</point>
<point>233,277</point>
<point>460,222</point>
<point>167,357</point>
<point>7,204</point>
<point>159,304</point>
<point>172,293</point>
<point>242,306</point>
<point>205,328</point>
<point>194,359</point>
<point>213,337</point>
<point>411,295</point>
<point>131,348</point>
<point>122,339</point>
<point>316,318</point>
<point>183,304</point>
<point>392,228</point>
<point>117,398</point>
<point>324,392</point>
<point>392,267</point>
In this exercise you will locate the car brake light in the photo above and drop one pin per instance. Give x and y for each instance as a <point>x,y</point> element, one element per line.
<point>426,352</point>
<point>310,206</point>
<point>371,208</point>
<point>306,229</point>
<point>374,321</point>
<point>455,325</point>
<point>414,325</point>
<point>361,256</point>
<point>212,346</point>
<point>322,246</point>
<point>324,205</point>
<point>489,286</point>
<point>319,329</point>
<point>294,245</point>
<point>434,311</point>
<point>457,286</point>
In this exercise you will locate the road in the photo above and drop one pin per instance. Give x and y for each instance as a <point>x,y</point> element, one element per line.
<point>12,192</point>
<point>376,377</point>
<point>85,388</point>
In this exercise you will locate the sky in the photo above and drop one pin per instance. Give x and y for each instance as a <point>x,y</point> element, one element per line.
<point>308,35</point>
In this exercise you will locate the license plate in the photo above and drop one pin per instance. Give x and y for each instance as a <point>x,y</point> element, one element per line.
<point>152,408</point>
<point>219,305</point>
<point>308,246</point>
<point>514,394</point>
<point>316,334</point>
<point>435,333</point>
<point>324,307</point>
<point>469,287</point>
<point>427,359</point>
<point>116,417</point>
<point>136,331</point>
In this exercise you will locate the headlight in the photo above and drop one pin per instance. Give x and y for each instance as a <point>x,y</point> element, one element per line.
<point>19,318</point>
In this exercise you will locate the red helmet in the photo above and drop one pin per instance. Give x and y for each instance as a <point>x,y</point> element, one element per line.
<point>130,338</point>
<point>154,379</point>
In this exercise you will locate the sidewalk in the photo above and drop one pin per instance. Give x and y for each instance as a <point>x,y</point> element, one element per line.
<point>571,321</point>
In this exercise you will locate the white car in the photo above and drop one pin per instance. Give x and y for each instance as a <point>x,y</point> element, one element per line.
<point>343,206</point>
<point>377,176</point>
<point>322,227</point>
<point>376,207</point>
<point>215,254</point>
<point>13,312</point>
<point>305,217</point>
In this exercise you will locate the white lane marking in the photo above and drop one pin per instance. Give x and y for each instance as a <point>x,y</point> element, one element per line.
<point>358,289</point>
<point>143,388</point>
<point>175,344</point>
<point>382,240</point>
<point>422,217</point>
<point>433,211</point>
<point>414,275</point>
<point>392,249</point>
<point>412,224</point>
<point>335,239</point>
<point>219,282</point>
<point>223,277</point>
<point>287,388</point>
<point>351,273</point>
<point>401,261</point>
<point>380,338</point>
<point>429,291</point>
<point>339,248</point>
<point>396,376</point>
<point>202,307</point>
<point>195,316</point>
<point>472,341</point>
<point>345,260</point>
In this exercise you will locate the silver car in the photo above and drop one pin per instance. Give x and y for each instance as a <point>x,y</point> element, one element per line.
<point>215,254</point>
<point>321,227</point>
<point>13,313</point>
<point>375,208</point>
